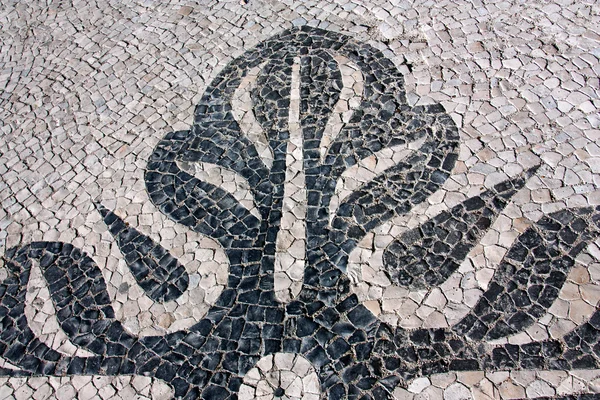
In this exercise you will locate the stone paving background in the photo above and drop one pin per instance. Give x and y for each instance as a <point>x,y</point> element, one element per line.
<point>87,89</point>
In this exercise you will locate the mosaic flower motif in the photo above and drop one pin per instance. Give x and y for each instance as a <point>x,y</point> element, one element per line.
<point>354,354</point>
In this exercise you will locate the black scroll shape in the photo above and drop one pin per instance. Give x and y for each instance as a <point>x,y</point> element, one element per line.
<point>83,310</point>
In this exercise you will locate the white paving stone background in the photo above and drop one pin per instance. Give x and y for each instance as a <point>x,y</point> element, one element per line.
<point>87,89</point>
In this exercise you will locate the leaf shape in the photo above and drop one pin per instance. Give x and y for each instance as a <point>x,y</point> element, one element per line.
<point>225,179</point>
<point>13,322</point>
<point>426,256</point>
<point>41,316</point>
<point>383,114</point>
<point>241,104</point>
<point>531,274</point>
<point>161,276</point>
<point>271,99</point>
<point>368,169</point>
<point>78,290</point>
<point>349,100</point>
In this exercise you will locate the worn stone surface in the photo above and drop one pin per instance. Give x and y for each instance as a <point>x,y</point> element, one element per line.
<point>277,199</point>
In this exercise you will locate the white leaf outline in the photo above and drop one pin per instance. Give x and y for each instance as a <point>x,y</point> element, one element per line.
<point>368,169</point>
<point>243,112</point>
<point>353,85</point>
<point>223,178</point>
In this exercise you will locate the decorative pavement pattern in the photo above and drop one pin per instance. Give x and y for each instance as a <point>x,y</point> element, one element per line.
<point>300,200</point>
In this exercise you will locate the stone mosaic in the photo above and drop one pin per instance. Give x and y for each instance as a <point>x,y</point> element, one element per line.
<point>345,218</point>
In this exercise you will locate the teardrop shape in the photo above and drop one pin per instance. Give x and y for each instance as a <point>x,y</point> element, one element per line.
<point>161,276</point>
<point>426,256</point>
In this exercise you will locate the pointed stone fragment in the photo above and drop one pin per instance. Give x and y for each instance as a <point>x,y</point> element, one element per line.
<point>161,276</point>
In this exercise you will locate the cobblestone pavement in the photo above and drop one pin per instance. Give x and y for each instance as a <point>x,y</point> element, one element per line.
<point>300,200</point>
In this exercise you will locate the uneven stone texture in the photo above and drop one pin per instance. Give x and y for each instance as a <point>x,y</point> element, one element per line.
<point>339,200</point>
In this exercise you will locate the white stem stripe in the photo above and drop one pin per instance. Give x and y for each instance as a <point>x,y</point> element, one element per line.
<point>291,240</point>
